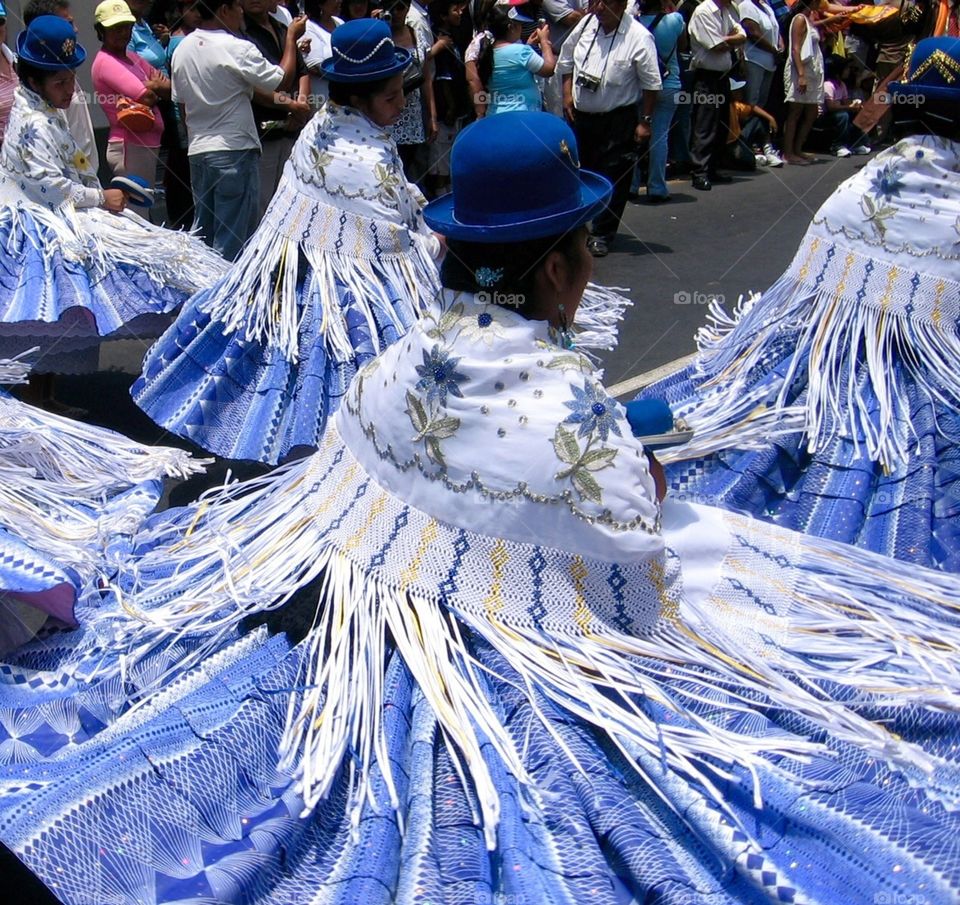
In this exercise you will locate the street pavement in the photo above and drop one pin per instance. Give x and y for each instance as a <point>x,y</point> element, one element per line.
<point>672,257</point>
<point>727,242</point>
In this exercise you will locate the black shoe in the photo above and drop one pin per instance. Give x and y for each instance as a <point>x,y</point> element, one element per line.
<point>597,246</point>
<point>721,178</point>
<point>657,199</point>
<point>702,183</point>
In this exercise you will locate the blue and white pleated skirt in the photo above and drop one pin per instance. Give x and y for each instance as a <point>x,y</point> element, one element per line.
<point>183,799</point>
<point>910,512</point>
<point>182,802</point>
<point>66,290</point>
<point>244,398</point>
<point>33,587</point>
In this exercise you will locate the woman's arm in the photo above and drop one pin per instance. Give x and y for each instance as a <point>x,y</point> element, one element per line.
<point>429,99</point>
<point>477,92</point>
<point>41,162</point>
<point>797,35</point>
<point>541,37</point>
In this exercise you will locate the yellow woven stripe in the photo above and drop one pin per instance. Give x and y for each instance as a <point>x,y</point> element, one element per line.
<point>805,267</point>
<point>892,275</point>
<point>938,299</point>
<point>581,614</point>
<point>412,572</point>
<point>493,602</point>
<point>376,510</point>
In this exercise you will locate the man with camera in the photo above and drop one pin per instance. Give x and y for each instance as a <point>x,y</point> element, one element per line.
<point>609,69</point>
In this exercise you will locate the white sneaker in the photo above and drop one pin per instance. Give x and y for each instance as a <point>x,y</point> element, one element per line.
<point>862,149</point>
<point>761,160</point>
<point>773,158</point>
<point>843,152</point>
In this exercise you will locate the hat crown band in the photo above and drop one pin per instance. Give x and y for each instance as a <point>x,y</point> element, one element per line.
<point>359,62</point>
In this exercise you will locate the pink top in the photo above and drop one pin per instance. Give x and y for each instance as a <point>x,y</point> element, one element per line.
<point>114,78</point>
<point>8,86</point>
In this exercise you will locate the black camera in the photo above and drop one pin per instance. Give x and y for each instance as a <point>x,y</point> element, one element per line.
<point>588,82</point>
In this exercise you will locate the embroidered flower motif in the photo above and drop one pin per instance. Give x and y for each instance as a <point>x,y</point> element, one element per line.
<point>439,376</point>
<point>593,410</point>
<point>887,182</point>
<point>81,162</point>
<point>488,276</point>
<point>29,135</point>
<point>431,427</point>
<point>581,463</point>
<point>483,326</point>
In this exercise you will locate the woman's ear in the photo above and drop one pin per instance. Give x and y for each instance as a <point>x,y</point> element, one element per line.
<point>554,272</point>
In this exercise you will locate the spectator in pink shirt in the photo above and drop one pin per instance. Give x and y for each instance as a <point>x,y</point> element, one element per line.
<point>119,76</point>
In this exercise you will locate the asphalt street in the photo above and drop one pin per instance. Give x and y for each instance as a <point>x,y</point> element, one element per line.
<point>672,257</point>
<point>728,242</point>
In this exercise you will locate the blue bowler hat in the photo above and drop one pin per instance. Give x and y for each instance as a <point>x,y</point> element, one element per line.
<point>3,11</point>
<point>363,51</point>
<point>516,176</point>
<point>934,71</point>
<point>50,42</point>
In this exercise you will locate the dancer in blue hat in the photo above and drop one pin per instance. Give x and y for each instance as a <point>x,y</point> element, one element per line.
<point>76,266</point>
<point>70,494</point>
<point>523,677</point>
<point>340,267</point>
<point>830,404</point>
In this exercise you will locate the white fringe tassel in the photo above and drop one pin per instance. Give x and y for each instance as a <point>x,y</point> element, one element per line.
<point>259,296</point>
<point>835,335</point>
<point>248,550</point>
<point>598,316</point>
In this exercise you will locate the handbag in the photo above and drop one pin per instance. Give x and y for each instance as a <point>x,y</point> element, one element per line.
<point>412,76</point>
<point>134,116</point>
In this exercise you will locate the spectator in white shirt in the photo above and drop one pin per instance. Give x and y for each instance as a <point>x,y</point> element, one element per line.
<point>609,68</point>
<point>215,75</point>
<point>715,37</point>
<point>763,49</point>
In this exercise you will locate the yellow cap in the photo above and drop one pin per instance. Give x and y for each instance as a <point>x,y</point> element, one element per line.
<point>113,12</point>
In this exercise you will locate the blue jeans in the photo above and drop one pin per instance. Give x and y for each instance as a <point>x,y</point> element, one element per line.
<point>660,141</point>
<point>226,188</point>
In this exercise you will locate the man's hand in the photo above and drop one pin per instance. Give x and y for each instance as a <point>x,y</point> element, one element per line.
<point>297,28</point>
<point>642,132</point>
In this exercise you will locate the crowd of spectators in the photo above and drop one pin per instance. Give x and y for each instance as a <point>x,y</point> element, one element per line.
<point>218,90</point>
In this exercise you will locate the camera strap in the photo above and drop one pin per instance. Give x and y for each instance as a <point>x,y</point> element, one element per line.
<point>593,40</point>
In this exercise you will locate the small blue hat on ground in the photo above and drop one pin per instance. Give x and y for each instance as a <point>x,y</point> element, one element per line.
<point>516,176</point>
<point>50,42</point>
<point>363,51</point>
<point>934,71</point>
<point>653,421</point>
<point>136,188</point>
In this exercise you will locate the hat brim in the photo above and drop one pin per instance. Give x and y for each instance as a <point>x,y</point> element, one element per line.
<point>595,191</point>
<point>933,92</point>
<point>117,20</point>
<point>139,192</point>
<point>330,71</point>
<point>79,55</point>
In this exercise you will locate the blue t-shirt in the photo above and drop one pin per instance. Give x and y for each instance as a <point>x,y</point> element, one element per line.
<point>512,85</point>
<point>667,33</point>
<point>144,43</point>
